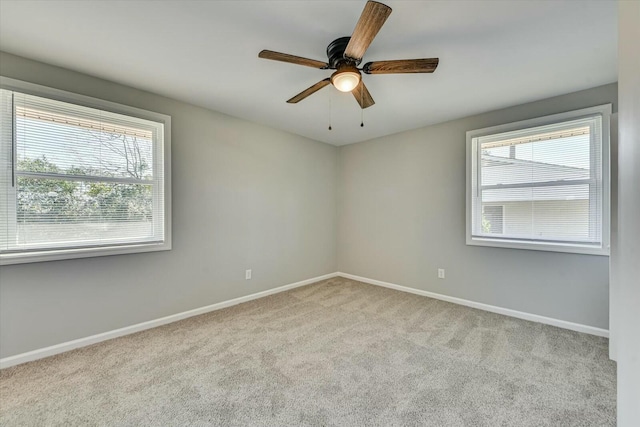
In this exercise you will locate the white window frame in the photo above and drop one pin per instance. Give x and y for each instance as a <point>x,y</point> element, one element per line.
<point>94,251</point>
<point>473,173</point>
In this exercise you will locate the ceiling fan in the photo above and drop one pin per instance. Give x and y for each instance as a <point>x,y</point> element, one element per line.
<point>345,54</point>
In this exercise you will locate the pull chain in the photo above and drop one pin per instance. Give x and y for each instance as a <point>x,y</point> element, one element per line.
<point>362,106</point>
<point>330,110</point>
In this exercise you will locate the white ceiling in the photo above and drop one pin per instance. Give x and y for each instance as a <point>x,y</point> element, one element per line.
<point>493,54</point>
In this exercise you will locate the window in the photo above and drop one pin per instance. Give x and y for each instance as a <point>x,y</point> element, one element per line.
<point>493,219</point>
<point>541,184</point>
<point>80,177</point>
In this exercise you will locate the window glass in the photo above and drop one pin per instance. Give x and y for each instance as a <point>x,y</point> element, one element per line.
<point>540,185</point>
<point>80,178</point>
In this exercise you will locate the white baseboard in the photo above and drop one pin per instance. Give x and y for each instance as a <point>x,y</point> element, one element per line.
<point>486,307</point>
<point>93,339</point>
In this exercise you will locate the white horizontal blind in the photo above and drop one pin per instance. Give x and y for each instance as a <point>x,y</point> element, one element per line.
<point>542,184</point>
<point>82,177</point>
<point>7,190</point>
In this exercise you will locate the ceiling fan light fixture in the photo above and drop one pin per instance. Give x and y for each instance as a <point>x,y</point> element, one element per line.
<point>344,54</point>
<point>346,79</point>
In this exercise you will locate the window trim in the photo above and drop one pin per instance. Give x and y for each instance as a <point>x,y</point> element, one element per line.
<point>604,111</point>
<point>95,251</point>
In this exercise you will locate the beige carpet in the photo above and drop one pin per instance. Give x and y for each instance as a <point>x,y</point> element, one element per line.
<point>335,353</point>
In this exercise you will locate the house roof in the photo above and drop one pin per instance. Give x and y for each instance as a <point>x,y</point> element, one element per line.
<point>498,170</point>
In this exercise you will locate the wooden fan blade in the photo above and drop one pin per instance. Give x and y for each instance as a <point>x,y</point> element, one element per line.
<point>362,95</point>
<point>373,17</point>
<point>399,66</point>
<point>285,57</point>
<point>308,91</point>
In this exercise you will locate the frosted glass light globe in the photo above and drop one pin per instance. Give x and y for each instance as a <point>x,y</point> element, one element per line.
<point>345,81</point>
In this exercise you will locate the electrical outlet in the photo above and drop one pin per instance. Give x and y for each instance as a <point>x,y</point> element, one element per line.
<point>247,274</point>
<point>441,273</point>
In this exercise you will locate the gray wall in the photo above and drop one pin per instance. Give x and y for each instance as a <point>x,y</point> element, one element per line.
<point>244,196</point>
<point>248,196</point>
<point>401,216</point>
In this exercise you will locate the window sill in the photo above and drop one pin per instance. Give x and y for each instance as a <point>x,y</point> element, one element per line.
<point>62,254</point>
<point>538,246</point>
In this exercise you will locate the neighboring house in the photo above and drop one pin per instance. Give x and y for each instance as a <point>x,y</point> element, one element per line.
<point>560,208</point>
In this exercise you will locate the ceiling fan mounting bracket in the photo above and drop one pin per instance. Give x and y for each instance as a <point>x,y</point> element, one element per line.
<point>335,53</point>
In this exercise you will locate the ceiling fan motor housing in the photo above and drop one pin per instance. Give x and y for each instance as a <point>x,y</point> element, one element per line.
<point>335,52</point>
